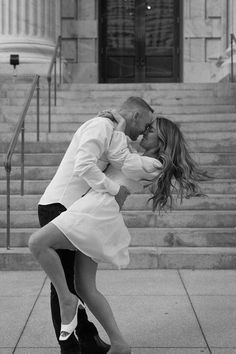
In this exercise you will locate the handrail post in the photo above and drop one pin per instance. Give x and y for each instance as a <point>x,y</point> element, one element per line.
<point>55,82</point>
<point>49,78</point>
<point>38,91</point>
<point>60,61</point>
<point>22,157</point>
<point>49,104</point>
<point>231,54</point>
<point>8,177</point>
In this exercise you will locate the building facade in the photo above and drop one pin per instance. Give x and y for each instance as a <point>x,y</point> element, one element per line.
<point>121,40</point>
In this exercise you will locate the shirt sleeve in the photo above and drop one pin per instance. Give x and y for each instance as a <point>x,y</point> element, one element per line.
<point>94,141</point>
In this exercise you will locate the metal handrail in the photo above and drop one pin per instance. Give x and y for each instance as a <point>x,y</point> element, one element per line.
<point>232,39</point>
<point>53,63</point>
<point>20,128</point>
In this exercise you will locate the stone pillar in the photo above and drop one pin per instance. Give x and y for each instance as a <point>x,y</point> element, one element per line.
<point>28,28</point>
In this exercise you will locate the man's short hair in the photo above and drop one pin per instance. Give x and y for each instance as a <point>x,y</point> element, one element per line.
<point>135,102</point>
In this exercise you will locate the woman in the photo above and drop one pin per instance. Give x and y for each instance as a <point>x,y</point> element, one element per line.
<point>94,225</point>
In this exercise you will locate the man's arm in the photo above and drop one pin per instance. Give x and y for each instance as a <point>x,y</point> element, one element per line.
<point>93,142</point>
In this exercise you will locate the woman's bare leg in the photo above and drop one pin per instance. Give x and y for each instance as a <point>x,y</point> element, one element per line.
<point>42,244</point>
<point>85,285</point>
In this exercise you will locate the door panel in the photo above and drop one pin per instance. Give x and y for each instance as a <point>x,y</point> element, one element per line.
<point>118,41</point>
<point>139,41</point>
<point>160,39</point>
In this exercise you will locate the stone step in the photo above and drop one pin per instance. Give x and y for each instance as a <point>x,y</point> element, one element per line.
<point>222,87</point>
<point>47,172</point>
<point>38,186</point>
<point>141,258</point>
<point>193,90</point>
<point>211,202</point>
<point>95,107</point>
<point>135,202</point>
<point>159,87</point>
<point>214,158</point>
<point>188,218</point>
<point>97,93</point>
<point>72,99</point>
<point>193,137</point>
<point>58,142</point>
<point>184,218</point>
<point>34,147</point>
<point>149,237</point>
<point>158,237</point>
<point>188,119</point>
<point>183,237</point>
<point>148,95</point>
<point>37,159</point>
<point>59,127</point>
<point>54,159</point>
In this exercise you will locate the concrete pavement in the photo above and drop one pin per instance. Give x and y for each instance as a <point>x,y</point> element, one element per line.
<point>159,311</point>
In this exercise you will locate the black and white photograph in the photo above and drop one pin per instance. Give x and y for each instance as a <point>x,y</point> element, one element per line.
<point>118,176</point>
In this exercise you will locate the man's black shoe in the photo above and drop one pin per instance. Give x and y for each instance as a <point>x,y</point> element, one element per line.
<point>71,346</point>
<point>70,351</point>
<point>89,340</point>
<point>93,345</point>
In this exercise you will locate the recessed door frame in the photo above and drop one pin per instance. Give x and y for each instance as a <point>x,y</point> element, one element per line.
<point>101,9</point>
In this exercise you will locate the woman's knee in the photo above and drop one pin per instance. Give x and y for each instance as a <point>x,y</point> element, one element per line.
<point>35,243</point>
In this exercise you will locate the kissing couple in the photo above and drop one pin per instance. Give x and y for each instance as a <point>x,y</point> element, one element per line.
<point>81,219</point>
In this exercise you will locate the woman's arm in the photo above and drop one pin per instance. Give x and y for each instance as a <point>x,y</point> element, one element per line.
<point>121,122</point>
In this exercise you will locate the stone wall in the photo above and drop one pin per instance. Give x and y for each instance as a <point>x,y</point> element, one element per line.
<point>205,32</point>
<point>79,28</point>
<point>205,37</point>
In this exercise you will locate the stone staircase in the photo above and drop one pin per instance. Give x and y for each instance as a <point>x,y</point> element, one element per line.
<point>198,234</point>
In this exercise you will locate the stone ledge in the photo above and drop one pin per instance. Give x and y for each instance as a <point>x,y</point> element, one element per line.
<point>141,258</point>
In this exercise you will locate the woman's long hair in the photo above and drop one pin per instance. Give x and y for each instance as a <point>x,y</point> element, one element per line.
<point>180,173</point>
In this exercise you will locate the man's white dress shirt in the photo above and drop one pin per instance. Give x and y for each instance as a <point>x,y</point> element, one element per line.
<point>82,165</point>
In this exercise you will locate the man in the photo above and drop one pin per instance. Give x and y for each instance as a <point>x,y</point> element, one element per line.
<point>81,169</point>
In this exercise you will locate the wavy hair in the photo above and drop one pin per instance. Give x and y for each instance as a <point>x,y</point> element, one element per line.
<point>180,173</point>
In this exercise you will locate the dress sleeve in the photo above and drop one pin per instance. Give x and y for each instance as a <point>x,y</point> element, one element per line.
<point>138,168</point>
<point>94,142</point>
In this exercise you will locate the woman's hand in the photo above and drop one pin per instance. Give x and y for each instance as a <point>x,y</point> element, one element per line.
<point>121,122</point>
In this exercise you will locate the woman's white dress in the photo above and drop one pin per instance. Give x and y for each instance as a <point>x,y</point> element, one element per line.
<point>94,224</point>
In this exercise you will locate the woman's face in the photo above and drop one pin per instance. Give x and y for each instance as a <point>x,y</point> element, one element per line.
<point>150,137</point>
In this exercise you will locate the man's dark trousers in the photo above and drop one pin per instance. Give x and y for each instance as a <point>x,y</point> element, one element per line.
<point>89,340</point>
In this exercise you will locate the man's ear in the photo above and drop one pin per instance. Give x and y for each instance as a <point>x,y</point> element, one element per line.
<point>135,116</point>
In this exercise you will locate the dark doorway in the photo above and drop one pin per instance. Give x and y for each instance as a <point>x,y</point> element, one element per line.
<point>139,40</point>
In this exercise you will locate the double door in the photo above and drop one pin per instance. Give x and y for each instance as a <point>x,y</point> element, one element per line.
<point>139,41</point>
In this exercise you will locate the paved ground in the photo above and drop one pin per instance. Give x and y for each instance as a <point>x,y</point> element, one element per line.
<point>159,311</point>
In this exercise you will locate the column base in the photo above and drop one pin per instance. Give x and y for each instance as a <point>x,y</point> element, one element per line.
<point>34,56</point>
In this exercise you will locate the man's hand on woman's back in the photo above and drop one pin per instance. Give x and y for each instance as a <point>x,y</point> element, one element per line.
<point>121,196</point>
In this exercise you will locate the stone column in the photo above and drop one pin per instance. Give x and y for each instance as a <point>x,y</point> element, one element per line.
<point>28,28</point>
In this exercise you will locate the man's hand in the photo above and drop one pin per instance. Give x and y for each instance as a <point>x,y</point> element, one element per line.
<point>122,195</point>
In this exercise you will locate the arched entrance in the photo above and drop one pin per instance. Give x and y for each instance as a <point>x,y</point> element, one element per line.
<point>139,41</point>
